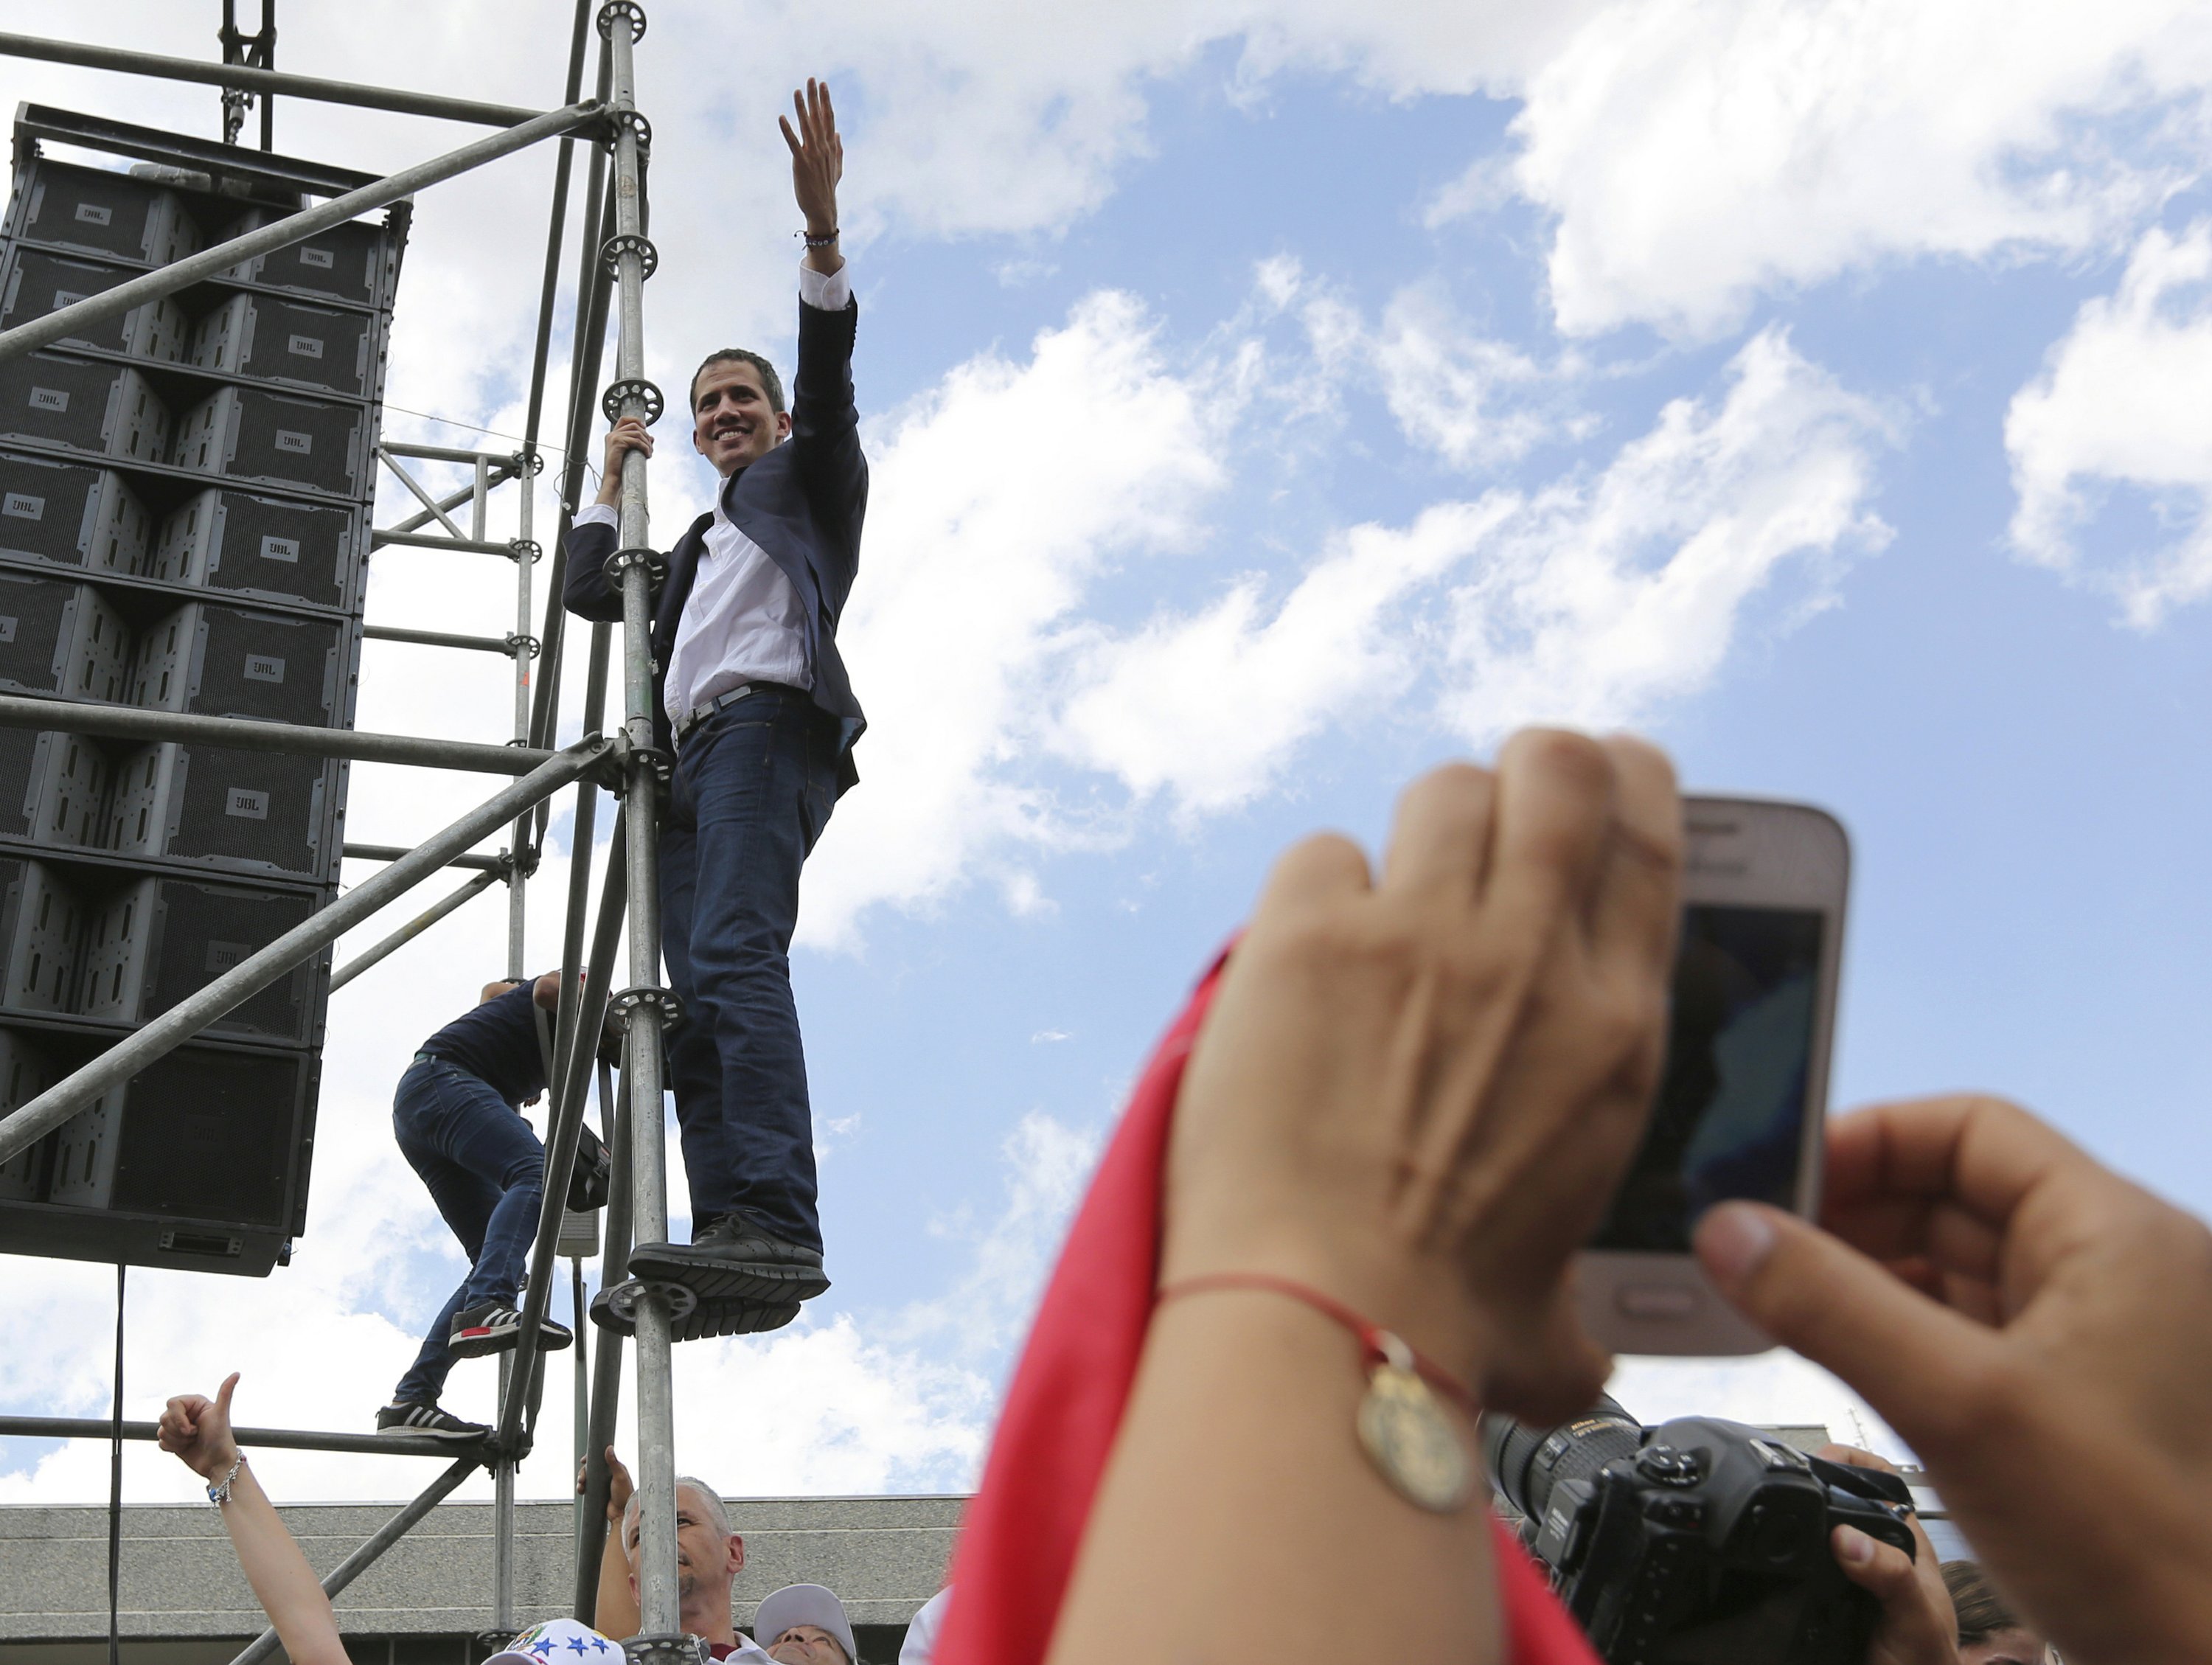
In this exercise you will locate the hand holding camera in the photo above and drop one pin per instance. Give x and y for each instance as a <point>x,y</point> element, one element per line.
<point>2017,1312</point>
<point>1456,1057</point>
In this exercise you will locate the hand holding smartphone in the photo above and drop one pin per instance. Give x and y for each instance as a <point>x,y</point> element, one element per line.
<point>1744,1089</point>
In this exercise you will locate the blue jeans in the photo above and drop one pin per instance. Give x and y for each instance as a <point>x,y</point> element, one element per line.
<point>754,785</point>
<point>486,1171</point>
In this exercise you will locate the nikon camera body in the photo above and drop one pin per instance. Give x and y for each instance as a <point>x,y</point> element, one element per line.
<point>1697,1542</point>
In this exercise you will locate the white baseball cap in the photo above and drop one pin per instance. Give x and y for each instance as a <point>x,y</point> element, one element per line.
<point>802,1604</point>
<point>559,1642</point>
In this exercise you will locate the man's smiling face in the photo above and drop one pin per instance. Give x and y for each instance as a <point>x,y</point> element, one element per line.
<point>731,424</point>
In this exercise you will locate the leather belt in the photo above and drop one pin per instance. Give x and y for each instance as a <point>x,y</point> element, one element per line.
<point>699,713</point>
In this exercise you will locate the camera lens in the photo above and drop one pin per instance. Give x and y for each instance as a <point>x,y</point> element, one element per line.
<point>1526,1463</point>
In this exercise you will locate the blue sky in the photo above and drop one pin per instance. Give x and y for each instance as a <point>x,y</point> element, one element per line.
<point>1267,401</point>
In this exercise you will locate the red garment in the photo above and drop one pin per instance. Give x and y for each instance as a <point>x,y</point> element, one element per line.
<point>1017,1543</point>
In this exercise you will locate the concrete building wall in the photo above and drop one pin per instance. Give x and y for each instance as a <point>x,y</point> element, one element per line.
<point>181,1585</point>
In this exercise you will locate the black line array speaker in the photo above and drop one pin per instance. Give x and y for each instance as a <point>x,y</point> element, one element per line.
<point>185,496</point>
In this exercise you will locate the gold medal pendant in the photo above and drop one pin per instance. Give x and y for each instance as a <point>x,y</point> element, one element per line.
<point>1410,1438</point>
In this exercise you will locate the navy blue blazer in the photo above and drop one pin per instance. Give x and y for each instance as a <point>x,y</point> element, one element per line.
<point>803,503</point>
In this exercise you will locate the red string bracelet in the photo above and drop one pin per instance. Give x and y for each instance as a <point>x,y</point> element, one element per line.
<point>1377,1346</point>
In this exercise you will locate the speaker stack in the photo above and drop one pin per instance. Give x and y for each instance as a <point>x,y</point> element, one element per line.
<point>184,508</point>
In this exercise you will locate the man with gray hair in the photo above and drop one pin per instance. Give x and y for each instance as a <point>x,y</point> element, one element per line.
<point>708,1557</point>
<point>797,1625</point>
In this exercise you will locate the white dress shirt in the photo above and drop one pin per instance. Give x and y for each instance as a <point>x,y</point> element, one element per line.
<point>743,622</point>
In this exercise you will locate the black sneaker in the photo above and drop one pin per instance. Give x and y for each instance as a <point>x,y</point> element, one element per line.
<point>427,1419</point>
<point>491,1326</point>
<point>731,1260</point>
<point>615,1310</point>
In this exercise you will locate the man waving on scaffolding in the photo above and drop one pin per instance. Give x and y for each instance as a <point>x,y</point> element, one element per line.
<point>751,696</point>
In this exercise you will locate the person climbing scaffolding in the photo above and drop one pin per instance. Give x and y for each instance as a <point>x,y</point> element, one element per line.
<point>458,1117</point>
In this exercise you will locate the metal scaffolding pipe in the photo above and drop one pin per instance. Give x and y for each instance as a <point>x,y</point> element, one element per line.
<point>549,287</point>
<point>499,645</point>
<point>446,453</point>
<point>302,942</point>
<point>606,1367</point>
<point>523,648</point>
<point>383,538</point>
<point>366,1557</point>
<point>273,1439</point>
<point>659,1606</point>
<point>585,349</point>
<point>562,1130</point>
<point>488,863</point>
<point>451,500</point>
<point>545,699</point>
<point>414,928</point>
<point>240,78</point>
<point>580,831</point>
<point>386,456</point>
<point>127,722</point>
<point>75,319</point>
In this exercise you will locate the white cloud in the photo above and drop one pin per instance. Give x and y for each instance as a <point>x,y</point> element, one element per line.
<point>1591,602</point>
<point>1210,705</point>
<point>995,502</point>
<point>1008,117</point>
<point>2120,406</point>
<point>1048,1164</point>
<point>1697,152</point>
<point>1442,382</point>
<point>1471,399</point>
<point>1600,600</point>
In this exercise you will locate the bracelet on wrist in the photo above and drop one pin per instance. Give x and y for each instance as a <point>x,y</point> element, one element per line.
<point>1402,1428</point>
<point>824,241</point>
<point>219,1494</point>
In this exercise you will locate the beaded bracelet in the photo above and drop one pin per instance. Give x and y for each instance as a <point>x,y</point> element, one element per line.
<point>220,1494</point>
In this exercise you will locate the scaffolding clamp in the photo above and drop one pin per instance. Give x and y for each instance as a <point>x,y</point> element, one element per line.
<point>525,549</point>
<point>655,565</point>
<point>606,773</point>
<point>615,247</point>
<point>635,12</point>
<point>618,120</point>
<point>619,393</point>
<point>624,1004</point>
<point>528,646</point>
<point>621,1312</point>
<point>531,462</point>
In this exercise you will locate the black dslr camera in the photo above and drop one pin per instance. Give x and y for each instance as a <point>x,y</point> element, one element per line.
<point>1697,1542</point>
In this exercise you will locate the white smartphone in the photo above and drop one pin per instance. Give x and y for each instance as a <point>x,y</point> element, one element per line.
<point>1745,1086</point>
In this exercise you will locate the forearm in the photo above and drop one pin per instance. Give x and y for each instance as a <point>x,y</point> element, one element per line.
<point>827,258</point>
<point>586,593</point>
<point>1237,1456</point>
<point>284,1582</point>
<point>614,1613</point>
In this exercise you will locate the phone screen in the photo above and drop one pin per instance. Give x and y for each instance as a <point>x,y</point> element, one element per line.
<point>1730,1111</point>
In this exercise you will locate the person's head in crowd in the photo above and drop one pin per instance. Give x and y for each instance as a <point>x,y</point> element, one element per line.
<point>708,1557</point>
<point>559,1642</point>
<point>805,1625</point>
<point>1989,1631</point>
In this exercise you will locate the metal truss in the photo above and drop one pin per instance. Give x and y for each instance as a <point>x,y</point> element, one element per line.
<point>614,261</point>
